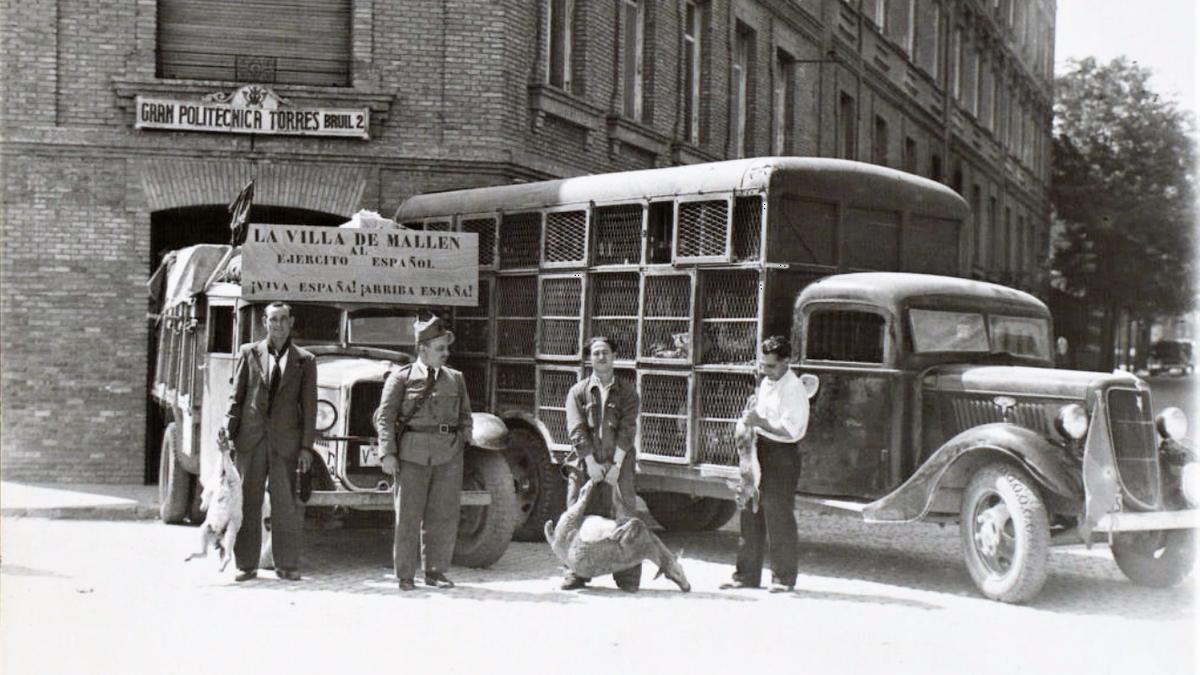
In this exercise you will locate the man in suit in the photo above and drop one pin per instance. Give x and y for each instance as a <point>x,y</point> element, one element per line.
<point>272,421</point>
<point>426,403</point>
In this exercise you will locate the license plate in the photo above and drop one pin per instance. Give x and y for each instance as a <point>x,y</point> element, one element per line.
<point>368,455</point>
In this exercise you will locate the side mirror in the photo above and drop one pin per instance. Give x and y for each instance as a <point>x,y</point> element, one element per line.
<point>811,383</point>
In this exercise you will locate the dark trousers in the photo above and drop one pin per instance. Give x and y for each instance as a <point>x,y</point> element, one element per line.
<point>775,522</point>
<point>427,504</point>
<point>601,503</point>
<point>263,471</point>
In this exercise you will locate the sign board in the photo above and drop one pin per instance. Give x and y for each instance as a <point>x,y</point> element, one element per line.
<point>253,109</point>
<point>387,266</point>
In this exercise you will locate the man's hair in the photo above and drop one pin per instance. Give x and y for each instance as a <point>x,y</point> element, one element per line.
<point>777,345</point>
<point>587,347</point>
<point>278,305</point>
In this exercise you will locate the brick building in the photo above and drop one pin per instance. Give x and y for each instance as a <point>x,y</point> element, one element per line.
<point>452,94</point>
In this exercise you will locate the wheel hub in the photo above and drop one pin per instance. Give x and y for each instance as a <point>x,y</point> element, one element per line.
<point>993,526</point>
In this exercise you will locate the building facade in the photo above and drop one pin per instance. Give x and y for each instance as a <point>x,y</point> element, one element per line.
<point>113,153</point>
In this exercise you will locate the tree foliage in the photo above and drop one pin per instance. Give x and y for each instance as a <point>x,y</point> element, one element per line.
<point>1123,188</point>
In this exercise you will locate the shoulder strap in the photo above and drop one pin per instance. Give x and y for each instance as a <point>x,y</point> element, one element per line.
<point>403,422</point>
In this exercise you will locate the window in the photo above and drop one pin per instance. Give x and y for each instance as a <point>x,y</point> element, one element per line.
<point>220,330</point>
<point>935,167</point>
<point>1020,336</point>
<point>782,116</point>
<point>936,331</point>
<point>998,236</point>
<point>994,123</point>
<point>879,148</point>
<point>660,232</point>
<point>910,33</point>
<point>847,127</point>
<point>560,18</point>
<point>980,226</point>
<point>383,328</point>
<point>879,15</point>
<point>1008,224</point>
<point>633,22</point>
<point>910,155</point>
<point>955,72</point>
<point>977,83</point>
<point>307,43</point>
<point>741,88</point>
<point>840,335</point>
<point>692,46</point>
<point>936,39</point>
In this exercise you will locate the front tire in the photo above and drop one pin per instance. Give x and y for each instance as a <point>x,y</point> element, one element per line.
<point>1005,534</point>
<point>1158,558</point>
<point>485,531</point>
<point>174,481</point>
<point>541,492</point>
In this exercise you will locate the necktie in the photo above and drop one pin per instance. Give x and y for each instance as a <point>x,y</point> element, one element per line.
<point>276,373</point>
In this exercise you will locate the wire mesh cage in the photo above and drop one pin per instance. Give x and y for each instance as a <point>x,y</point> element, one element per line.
<point>565,238</point>
<point>516,315</point>
<point>472,325</point>
<point>515,386</point>
<point>475,374</point>
<point>553,385</point>
<point>665,408</point>
<point>439,226</point>
<point>614,297</point>
<point>667,317</point>
<point>520,239</point>
<point>486,229</point>
<point>722,398</point>
<point>702,230</point>
<point>747,227</point>
<point>618,234</point>
<point>561,329</point>
<point>729,315</point>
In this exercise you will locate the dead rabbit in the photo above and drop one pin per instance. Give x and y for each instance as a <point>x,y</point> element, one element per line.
<point>222,503</point>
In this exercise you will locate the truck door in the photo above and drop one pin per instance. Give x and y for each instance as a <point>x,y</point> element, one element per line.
<point>850,429</point>
<point>220,351</point>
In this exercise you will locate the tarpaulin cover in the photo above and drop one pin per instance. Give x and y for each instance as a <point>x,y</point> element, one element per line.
<point>191,269</point>
<point>370,220</point>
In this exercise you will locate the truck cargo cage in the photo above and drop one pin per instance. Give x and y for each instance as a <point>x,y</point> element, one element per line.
<point>564,238</point>
<point>614,298</point>
<point>485,227</point>
<point>667,304</point>
<point>666,402</point>
<point>618,234</point>
<point>722,397</point>
<point>516,315</point>
<point>560,329</point>
<point>553,384</point>
<point>472,325</point>
<point>747,228</point>
<point>729,317</point>
<point>702,232</point>
<point>515,387</point>
<point>520,240</point>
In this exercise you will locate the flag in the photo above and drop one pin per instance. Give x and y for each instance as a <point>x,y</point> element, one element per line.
<point>239,213</point>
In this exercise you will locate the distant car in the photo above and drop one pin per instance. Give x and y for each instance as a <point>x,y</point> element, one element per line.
<point>1172,357</point>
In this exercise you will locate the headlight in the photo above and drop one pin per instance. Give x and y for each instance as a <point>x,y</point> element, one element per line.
<point>1171,423</point>
<point>326,415</point>
<point>1072,421</point>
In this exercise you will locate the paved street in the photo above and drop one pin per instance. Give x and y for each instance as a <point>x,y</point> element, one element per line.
<point>116,597</point>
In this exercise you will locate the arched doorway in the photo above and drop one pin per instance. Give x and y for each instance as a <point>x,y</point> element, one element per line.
<point>176,228</point>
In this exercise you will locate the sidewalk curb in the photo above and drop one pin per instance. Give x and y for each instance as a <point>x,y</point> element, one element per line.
<point>108,512</point>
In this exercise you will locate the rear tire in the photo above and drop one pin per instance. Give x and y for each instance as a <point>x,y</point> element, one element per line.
<point>173,481</point>
<point>1158,558</point>
<point>683,513</point>
<point>195,512</point>
<point>1005,534</point>
<point>485,531</point>
<point>541,492</point>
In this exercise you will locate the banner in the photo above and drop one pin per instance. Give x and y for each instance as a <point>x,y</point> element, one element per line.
<point>250,110</point>
<point>333,265</point>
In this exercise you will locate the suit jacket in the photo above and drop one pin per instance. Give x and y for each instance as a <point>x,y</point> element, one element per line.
<point>619,420</point>
<point>448,403</point>
<point>290,423</point>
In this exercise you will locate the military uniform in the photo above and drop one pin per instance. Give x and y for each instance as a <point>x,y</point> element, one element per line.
<point>431,461</point>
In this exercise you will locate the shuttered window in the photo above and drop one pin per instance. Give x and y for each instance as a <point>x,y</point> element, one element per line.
<point>262,41</point>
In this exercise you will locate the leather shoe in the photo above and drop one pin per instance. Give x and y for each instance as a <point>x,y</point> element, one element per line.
<point>438,580</point>
<point>288,575</point>
<point>777,587</point>
<point>246,575</point>
<point>407,585</point>
<point>572,582</point>
<point>736,583</point>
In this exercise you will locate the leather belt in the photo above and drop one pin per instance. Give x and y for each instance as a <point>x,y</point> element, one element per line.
<point>433,428</point>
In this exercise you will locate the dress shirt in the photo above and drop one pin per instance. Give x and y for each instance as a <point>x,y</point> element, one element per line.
<point>784,405</point>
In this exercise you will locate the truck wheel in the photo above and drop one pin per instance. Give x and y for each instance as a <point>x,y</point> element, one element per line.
<point>173,481</point>
<point>1157,558</point>
<point>1005,534</point>
<point>725,510</point>
<point>541,492</point>
<point>195,513</point>
<point>485,531</point>
<point>684,513</point>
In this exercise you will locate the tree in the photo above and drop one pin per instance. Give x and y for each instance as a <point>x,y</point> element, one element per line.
<point>1123,190</point>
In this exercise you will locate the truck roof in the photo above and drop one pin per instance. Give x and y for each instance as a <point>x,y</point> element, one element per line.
<point>897,290</point>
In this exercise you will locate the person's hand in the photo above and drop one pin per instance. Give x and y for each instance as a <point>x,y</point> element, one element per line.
<point>595,470</point>
<point>306,459</point>
<point>390,465</point>
<point>752,419</point>
<point>610,476</point>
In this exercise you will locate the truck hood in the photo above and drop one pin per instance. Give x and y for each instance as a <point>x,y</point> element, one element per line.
<point>1025,380</point>
<point>343,371</point>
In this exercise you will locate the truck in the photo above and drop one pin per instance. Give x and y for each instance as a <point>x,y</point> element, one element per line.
<point>211,303</point>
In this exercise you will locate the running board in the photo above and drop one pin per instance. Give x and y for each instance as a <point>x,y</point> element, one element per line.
<point>841,507</point>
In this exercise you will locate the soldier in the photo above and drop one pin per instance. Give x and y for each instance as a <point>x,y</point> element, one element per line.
<point>601,421</point>
<point>423,422</point>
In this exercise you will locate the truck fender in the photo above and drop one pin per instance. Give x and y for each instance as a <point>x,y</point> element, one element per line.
<point>488,432</point>
<point>952,465</point>
<point>515,418</point>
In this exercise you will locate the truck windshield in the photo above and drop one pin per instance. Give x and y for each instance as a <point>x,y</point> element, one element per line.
<point>382,328</point>
<point>937,331</point>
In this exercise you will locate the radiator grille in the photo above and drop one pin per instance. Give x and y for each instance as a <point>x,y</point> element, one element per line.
<point>702,229</point>
<point>486,229</point>
<point>664,415</point>
<point>971,412</point>
<point>565,238</point>
<point>520,240</point>
<point>1131,423</point>
<point>618,234</point>
<point>364,399</point>
<point>722,398</point>
<point>747,228</point>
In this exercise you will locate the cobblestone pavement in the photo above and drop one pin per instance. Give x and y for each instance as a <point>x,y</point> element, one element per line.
<point>116,597</point>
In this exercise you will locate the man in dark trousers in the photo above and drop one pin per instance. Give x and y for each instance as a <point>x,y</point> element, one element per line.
<point>602,422</point>
<point>272,421</point>
<point>425,403</point>
<point>778,414</point>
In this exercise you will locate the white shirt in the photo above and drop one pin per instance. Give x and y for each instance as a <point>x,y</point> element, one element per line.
<point>420,370</point>
<point>784,405</point>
